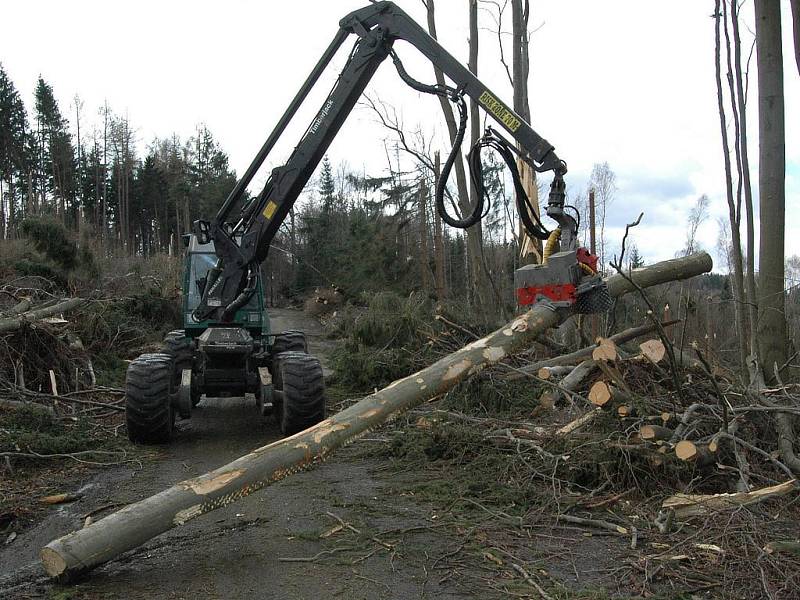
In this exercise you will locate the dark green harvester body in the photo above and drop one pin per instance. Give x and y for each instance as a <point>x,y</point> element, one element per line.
<point>222,359</point>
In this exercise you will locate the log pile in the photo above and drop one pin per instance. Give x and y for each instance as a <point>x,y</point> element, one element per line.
<point>105,539</point>
<point>610,423</point>
<point>51,405</point>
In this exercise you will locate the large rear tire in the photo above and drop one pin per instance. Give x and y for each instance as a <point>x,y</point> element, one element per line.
<point>302,387</point>
<point>289,341</point>
<point>180,348</point>
<point>148,406</point>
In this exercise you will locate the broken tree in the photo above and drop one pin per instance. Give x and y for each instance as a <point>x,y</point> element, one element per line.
<point>139,522</point>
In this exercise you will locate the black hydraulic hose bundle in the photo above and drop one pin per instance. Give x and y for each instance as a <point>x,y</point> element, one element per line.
<point>527,213</point>
<point>457,97</point>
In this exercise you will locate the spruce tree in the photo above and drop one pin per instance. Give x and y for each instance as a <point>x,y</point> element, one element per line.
<point>210,176</point>
<point>13,152</point>
<point>327,188</point>
<point>56,165</point>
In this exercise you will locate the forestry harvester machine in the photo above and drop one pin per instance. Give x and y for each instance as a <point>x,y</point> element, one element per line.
<point>226,346</point>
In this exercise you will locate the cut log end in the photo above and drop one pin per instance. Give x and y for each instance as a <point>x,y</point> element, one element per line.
<point>606,350</point>
<point>548,399</point>
<point>654,433</point>
<point>53,562</point>
<point>688,451</point>
<point>653,350</point>
<point>626,410</point>
<point>600,393</point>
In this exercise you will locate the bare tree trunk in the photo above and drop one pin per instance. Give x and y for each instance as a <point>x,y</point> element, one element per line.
<point>438,239</point>
<point>138,522</point>
<point>424,265</point>
<point>3,218</point>
<point>750,277</point>
<point>79,195</point>
<point>530,249</point>
<point>477,279</point>
<point>733,212</point>
<point>472,65</point>
<point>16,322</point>
<point>796,31</point>
<point>104,210</point>
<point>771,187</point>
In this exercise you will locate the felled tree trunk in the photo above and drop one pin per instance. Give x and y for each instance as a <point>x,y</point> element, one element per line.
<point>16,322</point>
<point>139,522</point>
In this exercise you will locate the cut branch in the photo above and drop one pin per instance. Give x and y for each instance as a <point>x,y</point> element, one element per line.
<point>692,505</point>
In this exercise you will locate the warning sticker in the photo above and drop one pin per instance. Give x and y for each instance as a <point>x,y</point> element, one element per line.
<point>270,209</point>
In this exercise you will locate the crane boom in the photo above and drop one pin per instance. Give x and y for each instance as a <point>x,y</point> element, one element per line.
<point>242,244</point>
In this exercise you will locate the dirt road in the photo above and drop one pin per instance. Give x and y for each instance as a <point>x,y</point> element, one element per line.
<point>283,542</point>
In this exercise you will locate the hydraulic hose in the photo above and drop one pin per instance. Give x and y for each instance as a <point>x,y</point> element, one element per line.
<point>456,97</point>
<point>530,219</point>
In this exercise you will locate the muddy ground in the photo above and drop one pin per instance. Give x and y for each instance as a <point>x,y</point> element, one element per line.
<point>351,528</point>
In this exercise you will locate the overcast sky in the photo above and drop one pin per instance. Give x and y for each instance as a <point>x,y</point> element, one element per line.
<point>630,82</point>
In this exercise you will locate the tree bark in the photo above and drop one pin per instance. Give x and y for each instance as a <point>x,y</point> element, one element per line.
<point>655,433</point>
<point>141,521</point>
<point>575,378</point>
<point>530,249</point>
<point>693,505</point>
<point>771,187</point>
<point>424,263</point>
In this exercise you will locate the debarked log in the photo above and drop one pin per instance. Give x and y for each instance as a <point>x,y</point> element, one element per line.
<point>136,523</point>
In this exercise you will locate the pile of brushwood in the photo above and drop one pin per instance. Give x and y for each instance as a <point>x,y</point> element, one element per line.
<point>688,474</point>
<point>68,325</point>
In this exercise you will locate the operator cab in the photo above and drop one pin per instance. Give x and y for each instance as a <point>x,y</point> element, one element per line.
<point>200,259</point>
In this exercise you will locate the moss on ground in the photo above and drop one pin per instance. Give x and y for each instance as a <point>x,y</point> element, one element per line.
<point>31,429</point>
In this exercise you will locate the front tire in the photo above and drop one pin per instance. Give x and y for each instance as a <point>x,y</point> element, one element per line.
<point>148,406</point>
<point>302,387</point>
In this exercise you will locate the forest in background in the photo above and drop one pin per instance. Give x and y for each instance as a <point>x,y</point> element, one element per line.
<point>359,232</point>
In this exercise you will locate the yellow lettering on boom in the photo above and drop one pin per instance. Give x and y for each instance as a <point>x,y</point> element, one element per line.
<point>499,110</point>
